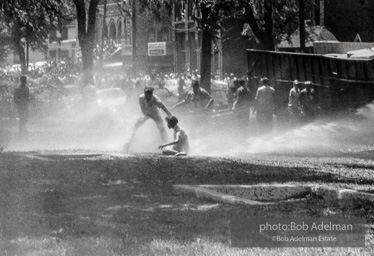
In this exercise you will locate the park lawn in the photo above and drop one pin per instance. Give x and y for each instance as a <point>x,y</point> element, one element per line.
<point>107,204</point>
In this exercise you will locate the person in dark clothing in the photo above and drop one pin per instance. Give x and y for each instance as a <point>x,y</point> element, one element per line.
<point>241,105</point>
<point>21,99</point>
<point>307,102</point>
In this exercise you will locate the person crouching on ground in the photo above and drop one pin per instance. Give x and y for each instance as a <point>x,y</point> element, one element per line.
<point>180,145</point>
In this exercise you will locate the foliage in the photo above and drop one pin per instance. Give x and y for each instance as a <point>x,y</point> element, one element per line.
<point>282,23</point>
<point>29,21</point>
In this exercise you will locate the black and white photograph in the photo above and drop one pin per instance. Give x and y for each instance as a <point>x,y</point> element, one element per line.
<point>186,127</point>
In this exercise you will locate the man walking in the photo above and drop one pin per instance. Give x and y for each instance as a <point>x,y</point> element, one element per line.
<point>21,99</point>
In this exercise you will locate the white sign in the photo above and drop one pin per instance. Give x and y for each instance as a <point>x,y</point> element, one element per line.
<point>157,49</point>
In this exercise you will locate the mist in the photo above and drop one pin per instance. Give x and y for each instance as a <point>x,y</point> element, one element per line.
<point>100,129</point>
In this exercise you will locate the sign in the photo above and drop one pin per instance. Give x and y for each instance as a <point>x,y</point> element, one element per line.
<point>157,49</point>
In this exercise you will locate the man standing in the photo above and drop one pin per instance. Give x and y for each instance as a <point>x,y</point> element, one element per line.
<point>21,99</point>
<point>293,101</point>
<point>180,145</point>
<point>265,105</point>
<point>149,105</point>
<point>241,106</point>
<point>307,102</point>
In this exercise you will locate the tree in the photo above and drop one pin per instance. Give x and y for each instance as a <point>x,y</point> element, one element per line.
<point>27,23</point>
<point>212,15</point>
<point>86,35</point>
<point>4,43</point>
<point>271,21</point>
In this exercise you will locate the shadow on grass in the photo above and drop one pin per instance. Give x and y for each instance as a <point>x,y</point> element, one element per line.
<point>132,200</point>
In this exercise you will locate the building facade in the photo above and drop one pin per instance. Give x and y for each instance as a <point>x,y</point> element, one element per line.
<point>117,30</point>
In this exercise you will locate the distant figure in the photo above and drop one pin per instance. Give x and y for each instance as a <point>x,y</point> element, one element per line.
<point>294,101</point>
<point>231,88</point>
<point>308,102</point>
<point>162,92</point>
<point>200,97</point>
<point>241,106</point>
<point>153,81</point>
<point>180,145</point>
<point>181,86</point>
<point>21,99</point>
<point>265,105</point>
<point>149,105</point>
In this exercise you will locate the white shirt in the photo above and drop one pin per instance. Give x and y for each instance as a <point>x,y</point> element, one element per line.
<point>150,108</point>
<point>183,144</point>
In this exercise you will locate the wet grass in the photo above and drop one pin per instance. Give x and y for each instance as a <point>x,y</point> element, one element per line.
<point>102,204</point>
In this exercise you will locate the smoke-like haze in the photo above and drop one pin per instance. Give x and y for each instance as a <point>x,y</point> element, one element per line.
<point>349,133</point>
<point>104,130</point>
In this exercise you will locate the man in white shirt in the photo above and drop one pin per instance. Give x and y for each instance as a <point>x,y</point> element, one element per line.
<point>149,105</point>
<point>265,99</point>
<point>180,145</point>
<point>294,101</point>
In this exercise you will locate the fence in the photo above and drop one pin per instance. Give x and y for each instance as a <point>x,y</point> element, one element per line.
<point>338,83</point>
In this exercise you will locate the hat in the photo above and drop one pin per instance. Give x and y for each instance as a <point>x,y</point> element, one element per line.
<point>231,74</point>
<point>148,89</point>
<point>296,82</point>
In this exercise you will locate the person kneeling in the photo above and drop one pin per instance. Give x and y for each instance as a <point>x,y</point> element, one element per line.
<point>180,145</point>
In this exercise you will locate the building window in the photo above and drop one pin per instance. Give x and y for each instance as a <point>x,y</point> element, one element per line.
<point>165,35</point>
<point>112,31</point>
<point>119,28</point>
<point>151,35</point>
<point>64,33</point>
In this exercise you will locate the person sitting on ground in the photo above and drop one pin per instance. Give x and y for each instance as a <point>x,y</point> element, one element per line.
<point>180,145</point>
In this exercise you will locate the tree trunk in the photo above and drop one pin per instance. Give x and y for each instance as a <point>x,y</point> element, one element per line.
<point>134,32</point>
<point>265,34</point>
<point>22,57</point>
<point>87,59</point>
<point>302,24</point>
<point>206,60</point>
<point>86,36</point>
<point>268,42</point>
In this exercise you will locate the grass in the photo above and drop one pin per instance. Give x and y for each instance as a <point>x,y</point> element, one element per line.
<point>103,204</point>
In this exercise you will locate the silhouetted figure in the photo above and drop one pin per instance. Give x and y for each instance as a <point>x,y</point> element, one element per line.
<point>308,102</point>
<point>21,99</point>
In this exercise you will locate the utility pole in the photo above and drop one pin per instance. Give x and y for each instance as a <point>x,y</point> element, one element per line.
<point>302,24</point>
<point>102,36</point>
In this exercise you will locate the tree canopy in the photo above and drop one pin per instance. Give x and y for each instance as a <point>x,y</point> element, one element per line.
<point>29,21</point>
